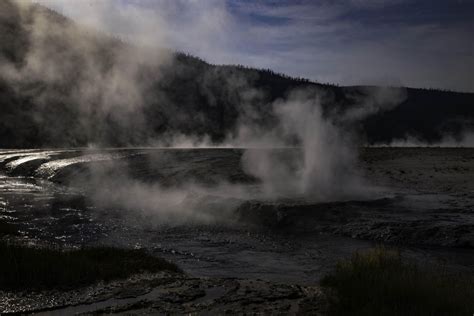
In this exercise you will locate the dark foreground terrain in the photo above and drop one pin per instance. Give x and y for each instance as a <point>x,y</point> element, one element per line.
<point>238,250</point>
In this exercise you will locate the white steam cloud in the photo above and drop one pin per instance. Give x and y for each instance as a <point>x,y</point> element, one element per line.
<point>110,86</point>
<point>98,76</point>
<point>372,100</point>
<point>322,168</point>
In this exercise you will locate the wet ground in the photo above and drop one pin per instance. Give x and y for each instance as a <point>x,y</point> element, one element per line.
<point>165,293</point>
<point>425,206</point>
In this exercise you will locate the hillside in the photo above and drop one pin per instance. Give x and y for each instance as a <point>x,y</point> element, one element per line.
<point>62,85</point>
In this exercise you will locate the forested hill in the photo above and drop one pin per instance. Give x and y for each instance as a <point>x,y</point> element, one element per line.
<point>62,85</point>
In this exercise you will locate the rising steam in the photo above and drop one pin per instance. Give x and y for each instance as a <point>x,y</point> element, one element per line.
<point>317,165</point>
<point>315,160</point>
<point>321,168</point>
<point>98,78</point>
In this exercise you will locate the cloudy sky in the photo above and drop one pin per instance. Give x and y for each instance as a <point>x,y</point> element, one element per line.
<point>425,43</point>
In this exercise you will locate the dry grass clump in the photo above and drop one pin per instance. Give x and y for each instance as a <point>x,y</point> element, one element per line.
<point>379,282</point>
<point>26,268</point>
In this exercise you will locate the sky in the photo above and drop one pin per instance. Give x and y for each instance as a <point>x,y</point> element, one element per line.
<point>425,43</point>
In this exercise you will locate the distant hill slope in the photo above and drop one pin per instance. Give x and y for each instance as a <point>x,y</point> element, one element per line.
<point>62,85</point>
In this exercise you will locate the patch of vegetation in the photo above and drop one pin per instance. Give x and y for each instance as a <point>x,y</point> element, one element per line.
<point>26,268</point>
<point>7,229</point>
<point>378,282</point>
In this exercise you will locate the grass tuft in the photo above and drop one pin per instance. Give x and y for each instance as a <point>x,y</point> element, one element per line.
<point>378,282</point>
<point>7,229</point>
<point>26,268</point>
